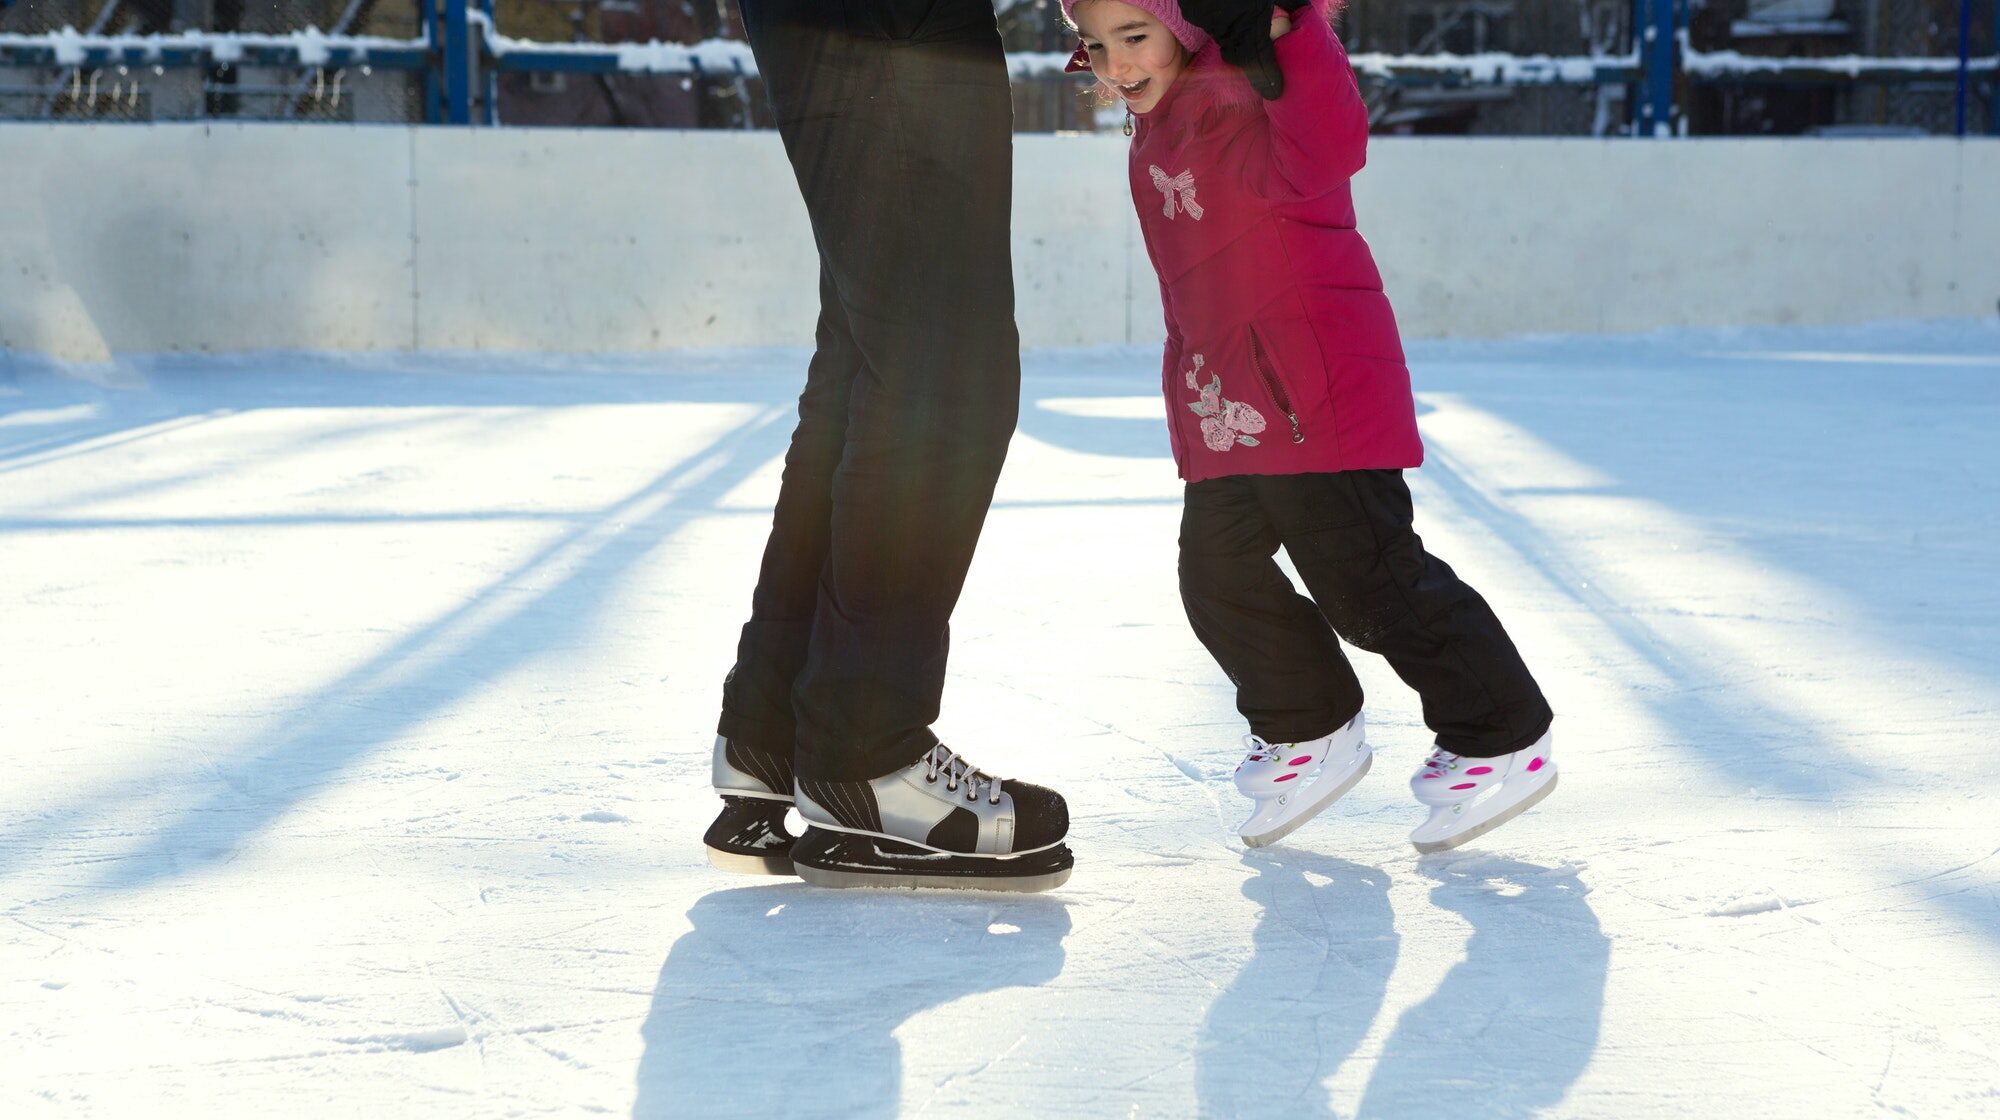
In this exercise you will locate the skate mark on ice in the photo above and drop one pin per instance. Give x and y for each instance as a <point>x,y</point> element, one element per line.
<point>1761,903</point>
<point>969,1075</point>
<point>416,1041</point>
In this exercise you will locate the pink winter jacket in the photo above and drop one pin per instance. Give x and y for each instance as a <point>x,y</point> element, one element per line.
<point>1282,354</point>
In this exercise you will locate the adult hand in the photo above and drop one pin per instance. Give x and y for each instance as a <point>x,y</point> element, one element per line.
<point>1243,29</point>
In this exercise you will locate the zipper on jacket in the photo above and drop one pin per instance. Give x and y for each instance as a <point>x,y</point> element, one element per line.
<point>1275,387</point>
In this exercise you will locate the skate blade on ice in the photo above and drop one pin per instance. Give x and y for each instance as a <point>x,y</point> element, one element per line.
<point>1446,843</point>
<point>827,858</point>
<point>1275,820</point>
<point>749,837</point>
<point>749,865</point>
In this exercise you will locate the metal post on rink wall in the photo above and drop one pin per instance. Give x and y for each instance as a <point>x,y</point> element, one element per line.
<point>489,76</point>
<point>433,87</point>
<point>1965,67</point>
<point>457,62</point>
<point>1656,24</point>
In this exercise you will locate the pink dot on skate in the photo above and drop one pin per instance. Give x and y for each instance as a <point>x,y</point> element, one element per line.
<point>1534,766</point>
<point>1480,770</point>
<point>1284,777</point>
<point>1301,760</point>
<point>1432,777</point>
<point>1465,785</point>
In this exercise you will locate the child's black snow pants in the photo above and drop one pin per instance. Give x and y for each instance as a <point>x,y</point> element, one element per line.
<point>898,121</point>
<point>1350,537</point>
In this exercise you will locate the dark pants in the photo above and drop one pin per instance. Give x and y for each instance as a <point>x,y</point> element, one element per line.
<point>1350,537</point>
<point>898,121</point>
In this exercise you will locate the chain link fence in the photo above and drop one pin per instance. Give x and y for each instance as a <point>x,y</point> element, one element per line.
<point>1885,29</point>
<point>626,99</point>
<point>1927,29</point>
<point>139,93</point>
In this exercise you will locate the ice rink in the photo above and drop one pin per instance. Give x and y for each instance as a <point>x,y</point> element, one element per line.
<point>358,715</point>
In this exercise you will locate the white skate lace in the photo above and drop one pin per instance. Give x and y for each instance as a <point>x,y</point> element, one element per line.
<point>957,771</point>
<point>1441,760</point>
<point>1258,748</point>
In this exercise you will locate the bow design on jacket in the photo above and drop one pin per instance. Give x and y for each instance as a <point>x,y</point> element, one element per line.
<point>1180,189</point>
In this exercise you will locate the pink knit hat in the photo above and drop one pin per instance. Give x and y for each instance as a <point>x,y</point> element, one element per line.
<point>1168,12</point>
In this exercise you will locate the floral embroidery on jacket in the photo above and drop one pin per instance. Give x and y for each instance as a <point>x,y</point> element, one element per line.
<point>1224,423</point>
<point>1179,188</point>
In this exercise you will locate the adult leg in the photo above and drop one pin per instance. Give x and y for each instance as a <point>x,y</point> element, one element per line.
<point>1292,682</point>
<point>757,696</point>
<point>900,133</point>
<point>897,117</point>
<point>1350,534</point>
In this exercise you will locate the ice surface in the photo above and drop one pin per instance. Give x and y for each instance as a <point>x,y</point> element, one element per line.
<point>358,713</point>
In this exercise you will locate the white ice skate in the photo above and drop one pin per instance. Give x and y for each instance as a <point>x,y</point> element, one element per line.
<point>1470,797</point>
<point>1290,782</point>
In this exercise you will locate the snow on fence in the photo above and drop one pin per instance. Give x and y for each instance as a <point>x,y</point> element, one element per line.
<point>369,238</point>
<point>307,48</point>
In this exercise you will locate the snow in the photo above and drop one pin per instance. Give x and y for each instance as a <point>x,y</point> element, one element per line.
<point>1712,63</point>
<point>360,711</point>
<point>1495,67</point>
<point>313,46</point>
<point>1727,62</point>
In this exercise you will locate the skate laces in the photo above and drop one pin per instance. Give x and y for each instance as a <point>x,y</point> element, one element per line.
<point>1441,760</point>
<point>1260,751</point>
<point>959,770</point>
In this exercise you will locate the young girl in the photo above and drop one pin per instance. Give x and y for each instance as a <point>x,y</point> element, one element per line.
<point>1291,417</point>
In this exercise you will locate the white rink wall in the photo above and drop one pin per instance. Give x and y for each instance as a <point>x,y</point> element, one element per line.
<point>141,239</point>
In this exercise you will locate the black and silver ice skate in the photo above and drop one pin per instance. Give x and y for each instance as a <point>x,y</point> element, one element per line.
<point>937,822</point>
<point>756,789</point>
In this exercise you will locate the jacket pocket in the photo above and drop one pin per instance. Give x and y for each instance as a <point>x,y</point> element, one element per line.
<point>1263,364</point>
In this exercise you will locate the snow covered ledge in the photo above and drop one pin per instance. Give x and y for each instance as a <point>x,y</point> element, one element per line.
<point>123,239</point>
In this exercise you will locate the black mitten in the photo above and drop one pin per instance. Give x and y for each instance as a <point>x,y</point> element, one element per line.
<point>1242,28</point>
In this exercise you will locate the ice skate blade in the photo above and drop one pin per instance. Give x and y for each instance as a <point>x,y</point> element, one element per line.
<point>826,858</point>
<point>1469,835</point>
<point>740,864</point>
<point>871,880</point>
<point>749,837</point>
<point>1318,803</point>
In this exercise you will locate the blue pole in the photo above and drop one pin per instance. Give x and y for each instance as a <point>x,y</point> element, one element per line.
<point>1654,22</point>
<point>491,77</point>
<point>457,63</point>
<point>433,88</point>
<point>1964,60</point>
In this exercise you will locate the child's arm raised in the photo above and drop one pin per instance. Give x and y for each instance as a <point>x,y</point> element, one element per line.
<point>1319,128</point>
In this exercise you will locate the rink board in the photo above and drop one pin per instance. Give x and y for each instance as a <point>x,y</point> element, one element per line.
<point>121,239</point>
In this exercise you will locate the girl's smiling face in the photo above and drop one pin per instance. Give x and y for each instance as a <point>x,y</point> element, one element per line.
<point>1132,54</point>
